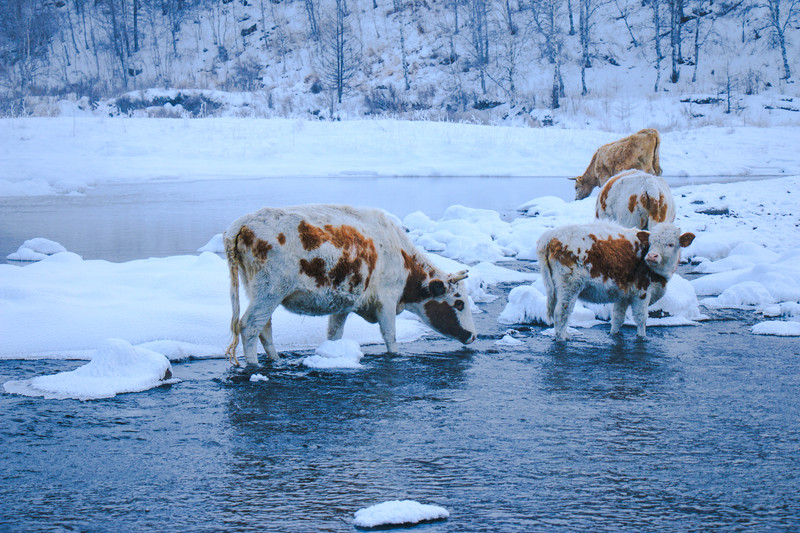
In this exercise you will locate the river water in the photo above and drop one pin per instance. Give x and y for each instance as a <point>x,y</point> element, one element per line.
<point>697,428</point>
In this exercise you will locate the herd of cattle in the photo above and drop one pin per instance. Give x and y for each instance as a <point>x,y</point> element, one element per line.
<point>335,260</point>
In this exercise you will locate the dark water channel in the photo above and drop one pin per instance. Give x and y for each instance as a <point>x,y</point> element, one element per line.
<point>695,429</point>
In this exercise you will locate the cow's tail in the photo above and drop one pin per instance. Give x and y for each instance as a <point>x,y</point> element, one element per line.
<point>232,254</point>
<point>656,162</point>
<point>546,269</point>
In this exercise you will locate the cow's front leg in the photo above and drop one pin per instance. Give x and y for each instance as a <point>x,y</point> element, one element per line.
<point>386,321</point>
<point>336,326</point>
<point>618,315</point>
<point>639,309</point>
<point>266,341</point>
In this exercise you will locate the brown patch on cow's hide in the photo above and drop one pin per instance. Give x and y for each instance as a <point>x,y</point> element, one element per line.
<point>603,198</point>
<point>415,289</point>
<point>281,239</point>
<point>357,251</point>
<point>622,262</point>
<point>661,209</point>
<point>613,259</point>
<point>315,269</point>
<point>557,251</point>
<point>247,235</point>
<point>444,320</point>
<point>261,249</point>
<point>311,237</point>
<point>632,203</point>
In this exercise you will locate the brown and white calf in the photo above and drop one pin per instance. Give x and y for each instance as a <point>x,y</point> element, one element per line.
<point>636,199</point>
<point>637,151</point>
<point>604,262</point>
<point>334,260</point>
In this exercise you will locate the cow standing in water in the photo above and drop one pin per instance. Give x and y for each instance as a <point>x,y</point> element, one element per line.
<point>604,262</point>
<point>636,199</point>
<point>638,151</point>
<point>334,260</point>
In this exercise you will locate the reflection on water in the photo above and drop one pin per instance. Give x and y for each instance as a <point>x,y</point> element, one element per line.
<point>596,434</point>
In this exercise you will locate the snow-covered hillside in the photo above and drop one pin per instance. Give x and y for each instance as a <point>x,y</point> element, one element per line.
<point>419,60</point>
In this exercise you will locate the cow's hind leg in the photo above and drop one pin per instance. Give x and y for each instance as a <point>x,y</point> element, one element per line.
<point>254,323</point>
<point>336,326</point>
<point>618,315</point>
<point>266,341</point>
<point>566,297</point>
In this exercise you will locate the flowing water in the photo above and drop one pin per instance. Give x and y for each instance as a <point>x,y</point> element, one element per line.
<point>696,428</point>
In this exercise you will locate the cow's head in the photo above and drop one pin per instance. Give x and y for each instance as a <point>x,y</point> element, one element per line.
<point>583,187</point>
<point>445,307</point>
<point>663,245</point>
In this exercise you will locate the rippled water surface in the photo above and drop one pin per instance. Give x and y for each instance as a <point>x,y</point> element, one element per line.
<point>695,429</point>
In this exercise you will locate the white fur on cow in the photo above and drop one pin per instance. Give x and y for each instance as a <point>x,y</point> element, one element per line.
<point>334,260</point>
<point>604,262</point>
<point>636,199</point>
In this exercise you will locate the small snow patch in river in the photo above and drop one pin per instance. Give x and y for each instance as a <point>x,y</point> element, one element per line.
<point>115,368</point>
<point>344,353</point>
<point>398,512</point>
<point>36,250</point>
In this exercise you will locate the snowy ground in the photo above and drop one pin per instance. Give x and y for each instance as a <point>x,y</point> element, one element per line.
<point>63,306</point>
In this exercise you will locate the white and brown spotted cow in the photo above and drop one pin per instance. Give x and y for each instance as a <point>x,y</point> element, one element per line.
<point>638,151</point>
<point>334,260</point>
<point>636,199</point>
<point>604,262</point>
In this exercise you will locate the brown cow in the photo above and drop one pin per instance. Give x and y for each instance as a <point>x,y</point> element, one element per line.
<point>637,151</point>
<point>335,260</point>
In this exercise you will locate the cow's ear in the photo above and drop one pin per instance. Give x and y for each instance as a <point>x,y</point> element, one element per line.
<point>437,287</point>
<point>686,239</point>
<point>644,239</point>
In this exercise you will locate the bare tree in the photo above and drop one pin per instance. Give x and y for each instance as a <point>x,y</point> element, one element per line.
<point>782,14</point>
<point>339,52</point>
<point>479,24</point>
<point>26,28</point>
<point>656,6</point>
<point>546,15</point>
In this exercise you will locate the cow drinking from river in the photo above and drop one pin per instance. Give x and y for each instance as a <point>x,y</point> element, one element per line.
<point>334,260</point>
<point>637,151</point>
<point>604,262</point>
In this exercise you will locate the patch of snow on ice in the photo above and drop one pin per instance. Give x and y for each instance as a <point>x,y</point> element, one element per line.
<point>398,512</point>
<point>778,328</point>
<point>215,245</point>
<point>343,353</point>
<point>116,367</point>
<point>36,250</point>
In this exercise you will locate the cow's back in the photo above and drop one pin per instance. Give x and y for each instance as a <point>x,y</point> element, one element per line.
<point>636,199</point>
<point>325,258</point>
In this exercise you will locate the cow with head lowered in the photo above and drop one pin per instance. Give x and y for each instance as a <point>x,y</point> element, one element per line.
<point>335,260</point>
<point>636,199</point>
<point>637,151</point>
<point>603,262</point>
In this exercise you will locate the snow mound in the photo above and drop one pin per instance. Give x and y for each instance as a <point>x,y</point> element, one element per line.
<point>214,245</point>
<point>36,250</point>
<point>778,328</point>
<point>398,512</point>
<point>258,377</point>
<point>116,367</point>
<point>344,353</point>
<point>508,340</point>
